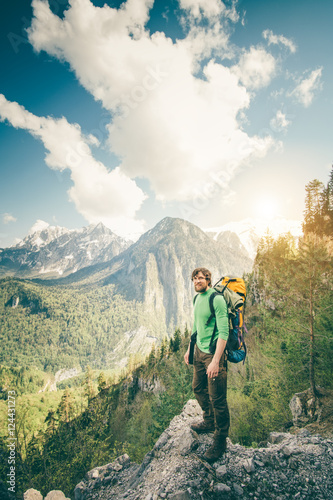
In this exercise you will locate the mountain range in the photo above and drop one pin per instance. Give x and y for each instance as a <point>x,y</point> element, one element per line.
<point>151,276</point>
<point>53,251</point>
<point>156,269</point>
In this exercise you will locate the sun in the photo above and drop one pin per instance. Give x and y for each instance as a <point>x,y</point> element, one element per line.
<point>266,208</point>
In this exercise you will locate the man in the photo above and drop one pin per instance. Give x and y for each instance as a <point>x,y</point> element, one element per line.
<point>210,370</point>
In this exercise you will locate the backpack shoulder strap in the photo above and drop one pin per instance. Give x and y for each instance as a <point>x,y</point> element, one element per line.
<point>211,306</point>
<point>212,314</point>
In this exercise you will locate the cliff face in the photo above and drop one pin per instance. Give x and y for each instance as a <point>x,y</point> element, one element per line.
<point>157,268</point>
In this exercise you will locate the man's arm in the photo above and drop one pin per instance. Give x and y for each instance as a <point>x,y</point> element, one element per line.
<point>213,367</point>
<point>222,323</point>
<point>194,328</point>
<point>186,355</point>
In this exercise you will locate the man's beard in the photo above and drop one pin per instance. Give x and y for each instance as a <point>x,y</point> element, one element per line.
<point>202,288</point>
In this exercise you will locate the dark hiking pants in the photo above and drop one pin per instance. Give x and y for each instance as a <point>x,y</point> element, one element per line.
<point>211,394</point>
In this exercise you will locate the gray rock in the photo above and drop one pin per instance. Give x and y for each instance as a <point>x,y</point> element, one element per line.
<point>277,437</point>
<point>287,451</point>
<point>248,465</point>
<point>163,439</point>
<point>79,491</point>
<point>180,495</point>
<point>93,474</point>
<point>187,442</point>
<point>222,488</point>
<point>221,471</point>
<point>117,467</point>
<point>122,460</point>
<point>304,433</point>
<point>238,490</point>
<point>32,494</point>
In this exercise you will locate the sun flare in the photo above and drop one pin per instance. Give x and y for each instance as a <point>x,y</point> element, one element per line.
<point>266,208</point>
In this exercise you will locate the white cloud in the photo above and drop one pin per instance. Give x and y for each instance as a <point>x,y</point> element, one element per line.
<point>279,122</point>
<point>256,68</point>
<point>207,8</point>
<point>168,125</point>
<point>98,194</point>
<point>39,225</point>
<point>7,218</point>
<point>305,91</point>
<point>279,40</point>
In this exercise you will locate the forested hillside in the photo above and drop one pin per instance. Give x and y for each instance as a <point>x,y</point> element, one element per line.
<point>56,327</point>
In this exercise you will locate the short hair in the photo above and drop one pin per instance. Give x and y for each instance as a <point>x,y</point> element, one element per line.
<point>205,272</point>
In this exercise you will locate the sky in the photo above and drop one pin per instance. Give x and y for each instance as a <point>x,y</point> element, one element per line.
<point>128,112</point>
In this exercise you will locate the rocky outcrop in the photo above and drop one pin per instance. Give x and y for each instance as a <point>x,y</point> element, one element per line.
<point>66,373</point>
<point>306,408</point>
<point>153,385</point>
<point>288,466</point>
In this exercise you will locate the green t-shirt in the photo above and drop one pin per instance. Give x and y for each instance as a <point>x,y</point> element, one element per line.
<point>202,313</point>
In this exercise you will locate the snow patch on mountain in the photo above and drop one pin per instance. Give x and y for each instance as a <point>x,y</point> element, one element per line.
<point>58,251</point>
<point>40,235</point>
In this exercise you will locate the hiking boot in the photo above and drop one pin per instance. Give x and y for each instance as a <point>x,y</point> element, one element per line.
<point>217,449</point>
<point>203,427</point>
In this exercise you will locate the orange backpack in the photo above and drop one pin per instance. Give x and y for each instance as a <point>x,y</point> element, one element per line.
<point>234,292</point>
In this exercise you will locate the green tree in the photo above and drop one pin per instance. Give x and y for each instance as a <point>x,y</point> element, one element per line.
<point>296,286</point>
<point>175,341</point>
<point>52,423</point>
<point>101,382</point>
<point>66,408</point>
<point>313,216</point>
<point>89,383</point>
<point>314,289</point>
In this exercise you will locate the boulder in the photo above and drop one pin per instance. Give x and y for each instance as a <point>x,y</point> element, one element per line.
<point>32,494</point>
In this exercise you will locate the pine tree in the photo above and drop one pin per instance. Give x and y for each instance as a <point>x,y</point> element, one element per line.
<point>101,382</point>
<point>151,361</point>
<point>175,341</point>
<point>89,384</point>
<point>66,408</point>
<point>313,214</point>
<point>327,206</point>
<point>314,278</point>
<point>51,422</point>
<point>163,348</point>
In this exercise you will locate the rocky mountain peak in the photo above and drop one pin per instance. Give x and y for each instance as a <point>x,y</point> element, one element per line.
<point>173,228</point>
<point>55,251</point>
<point>98,228</point>
<point>40,234</point>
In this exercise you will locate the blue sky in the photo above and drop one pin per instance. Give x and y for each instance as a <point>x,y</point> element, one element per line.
<point>127,113</point>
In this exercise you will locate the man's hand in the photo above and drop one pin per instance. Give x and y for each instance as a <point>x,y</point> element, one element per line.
<point>213,369</point>
<point>186,356</point>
